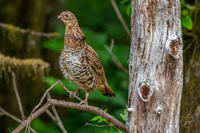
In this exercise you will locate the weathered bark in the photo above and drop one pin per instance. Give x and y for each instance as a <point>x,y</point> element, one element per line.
<point>155,67</point>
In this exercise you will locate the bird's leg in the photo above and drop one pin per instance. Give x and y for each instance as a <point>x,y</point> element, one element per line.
<point>75,93</point>
<point>87,93</point>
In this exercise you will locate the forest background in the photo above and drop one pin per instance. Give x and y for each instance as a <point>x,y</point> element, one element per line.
<point>34,60</point>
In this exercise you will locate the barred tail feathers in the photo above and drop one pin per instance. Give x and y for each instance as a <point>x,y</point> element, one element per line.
<point>106,90</point>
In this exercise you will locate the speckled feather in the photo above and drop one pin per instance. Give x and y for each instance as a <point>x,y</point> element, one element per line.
<point>78,61</point>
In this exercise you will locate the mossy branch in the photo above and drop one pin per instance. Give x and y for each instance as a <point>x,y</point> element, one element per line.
<point>34,68</point>
<point>12,28</point>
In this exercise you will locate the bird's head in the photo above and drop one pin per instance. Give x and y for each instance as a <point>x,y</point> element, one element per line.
<point>67,18</point>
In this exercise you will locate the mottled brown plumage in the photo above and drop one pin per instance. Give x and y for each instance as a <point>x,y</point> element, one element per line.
<point>79,62</point>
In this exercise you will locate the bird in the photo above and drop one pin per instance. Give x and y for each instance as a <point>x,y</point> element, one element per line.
<point>79,62</point>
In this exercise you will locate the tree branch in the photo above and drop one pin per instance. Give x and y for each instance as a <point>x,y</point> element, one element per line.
<point>32,117</point>
<point>88,108</point>
<point>17,96</point>
<point>114,57</point>
<point>4,112</point>
<point>43,97</point>
<point>51,115</point>
<point>38,68</point>
<point>27,31</point>
<point>72,105</point>
<point>53,102</point>
<point>57,118</point>
<point>95,125</point>
<point>121,19</point>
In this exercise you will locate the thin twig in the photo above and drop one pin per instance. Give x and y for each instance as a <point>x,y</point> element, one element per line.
<point>51,115</point>
<point>43,97</point>
<point>40,103</point>
<point>32,117</point>
<point>70,92</point>
<point>9,115</point>
<point>119,15</point>
<point>95,125</point>
<point>42,100</point>
<point>55,113</point>
<point>17,96</point>
<point>46,92</point>
<point>114,57</point>
<point>190,44</point>
<point>27,31</point>
<point>65,104</point>
<point>57,118</point>
<point>4,112</point>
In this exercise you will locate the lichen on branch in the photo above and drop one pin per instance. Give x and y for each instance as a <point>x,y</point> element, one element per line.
<point>31,67</point>
<point>12,28</point>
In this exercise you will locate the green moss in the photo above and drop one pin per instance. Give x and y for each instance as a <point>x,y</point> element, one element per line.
<point>34,68</point>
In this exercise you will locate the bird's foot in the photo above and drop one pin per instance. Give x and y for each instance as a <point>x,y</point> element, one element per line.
<point>83,102</point>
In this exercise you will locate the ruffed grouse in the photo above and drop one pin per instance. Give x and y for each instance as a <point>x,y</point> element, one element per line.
<point>79,62</point>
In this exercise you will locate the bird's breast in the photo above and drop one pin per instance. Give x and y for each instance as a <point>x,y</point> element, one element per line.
<point>72,66</point>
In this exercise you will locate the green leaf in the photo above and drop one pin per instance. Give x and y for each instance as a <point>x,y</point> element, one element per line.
<point>123,116</point>
<point>96,118</point>
<point>105,110</point>
<point>101,120</point>
<point>125,1</point>
<point>186,22</point>
<point>128,10</point>
<point>184,12</point>
<point>182,3</point>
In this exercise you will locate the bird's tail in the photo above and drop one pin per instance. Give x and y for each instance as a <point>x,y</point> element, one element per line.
<point>106,90</point>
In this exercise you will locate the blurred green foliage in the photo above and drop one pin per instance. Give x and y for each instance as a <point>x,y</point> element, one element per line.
<point>128,6</point>
<point>42,127</point>
<point>186,13</point>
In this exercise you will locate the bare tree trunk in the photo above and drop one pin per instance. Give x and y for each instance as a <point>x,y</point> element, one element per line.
<point>155,67</point>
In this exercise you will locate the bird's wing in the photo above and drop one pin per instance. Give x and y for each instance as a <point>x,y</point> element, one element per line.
<point>80,32</point>
<point>99,75</point>
<point>93,60</point>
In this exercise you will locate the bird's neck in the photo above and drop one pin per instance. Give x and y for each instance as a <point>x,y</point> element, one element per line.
<point>73,31</point>
<point>74,37</point>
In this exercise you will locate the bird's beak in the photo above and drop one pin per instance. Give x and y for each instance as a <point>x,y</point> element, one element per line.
<point>59,17</point>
